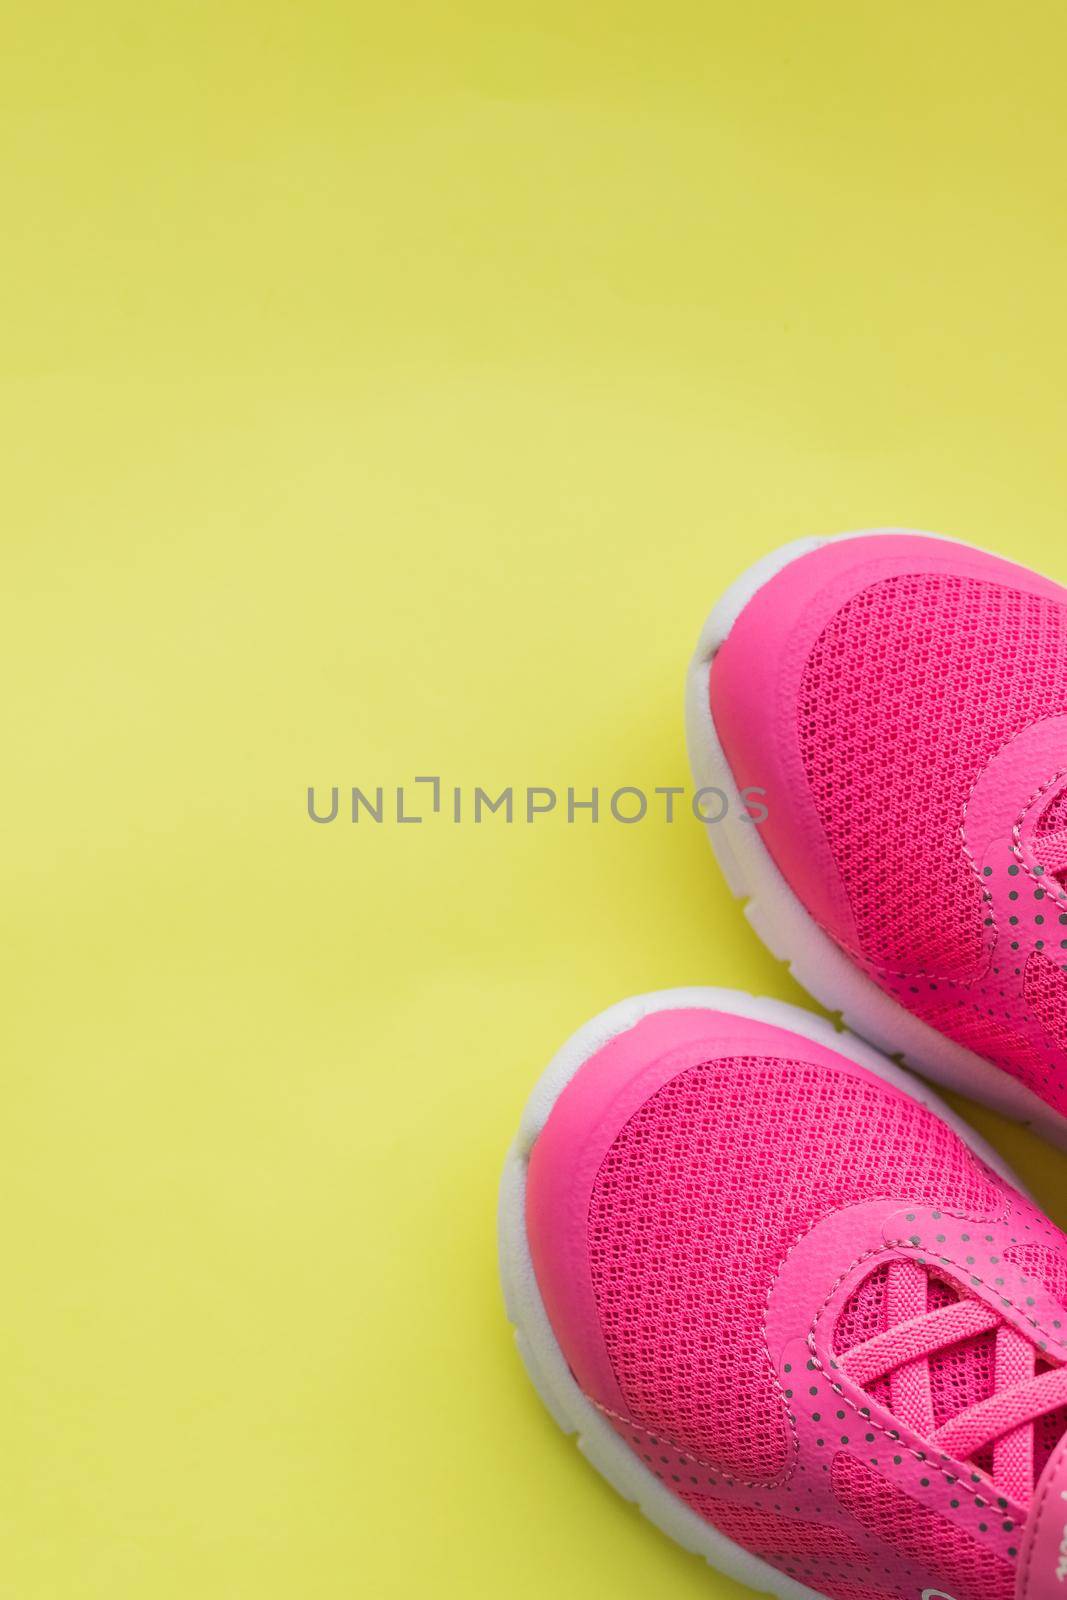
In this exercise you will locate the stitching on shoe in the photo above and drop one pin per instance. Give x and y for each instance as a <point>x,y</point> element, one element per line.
<point>686,1458</point>
<point>1042,880</point>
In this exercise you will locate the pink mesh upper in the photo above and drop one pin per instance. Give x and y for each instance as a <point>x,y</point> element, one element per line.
<point>962,1376</point>
<point>921,1534</point>
<point>986,1036</point>
<point>1045,1265</point>
<point>776,1538</point>
<point>926,779</point>
<point>1054,821</point>
<point>823,1557</point>
<point>1054,816</point>
<point>701,1195</point>
<point>911,689</point>
<point>1046,991</point>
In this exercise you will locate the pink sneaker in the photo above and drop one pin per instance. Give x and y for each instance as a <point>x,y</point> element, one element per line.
<point>791,1305</point>
<point>903,701</point>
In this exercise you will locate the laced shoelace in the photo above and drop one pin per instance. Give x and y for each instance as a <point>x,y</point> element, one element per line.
<point>1006,1419</point>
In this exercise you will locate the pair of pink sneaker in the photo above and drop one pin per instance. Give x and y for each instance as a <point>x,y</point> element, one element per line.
<point>794,1307</point>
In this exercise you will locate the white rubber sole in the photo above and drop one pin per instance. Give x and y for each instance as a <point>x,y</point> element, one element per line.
<point>788,930</point>
<point>543,1358</point>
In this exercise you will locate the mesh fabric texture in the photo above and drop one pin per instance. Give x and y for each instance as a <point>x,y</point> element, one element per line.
<point>911,689</point>
<point>1046,992</point>
<point>696,1203</point>
<point>1054,820</point>
<point>959,1376</point>
<point>997,1041</point>
<point>969,1569</point>
<point>823,1557</point>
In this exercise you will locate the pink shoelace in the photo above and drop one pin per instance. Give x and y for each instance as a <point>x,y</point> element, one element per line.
<point>1004,1420</point>
<point>1050,851</point>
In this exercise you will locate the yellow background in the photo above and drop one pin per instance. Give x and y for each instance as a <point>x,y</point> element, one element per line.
<point>391,390</point>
